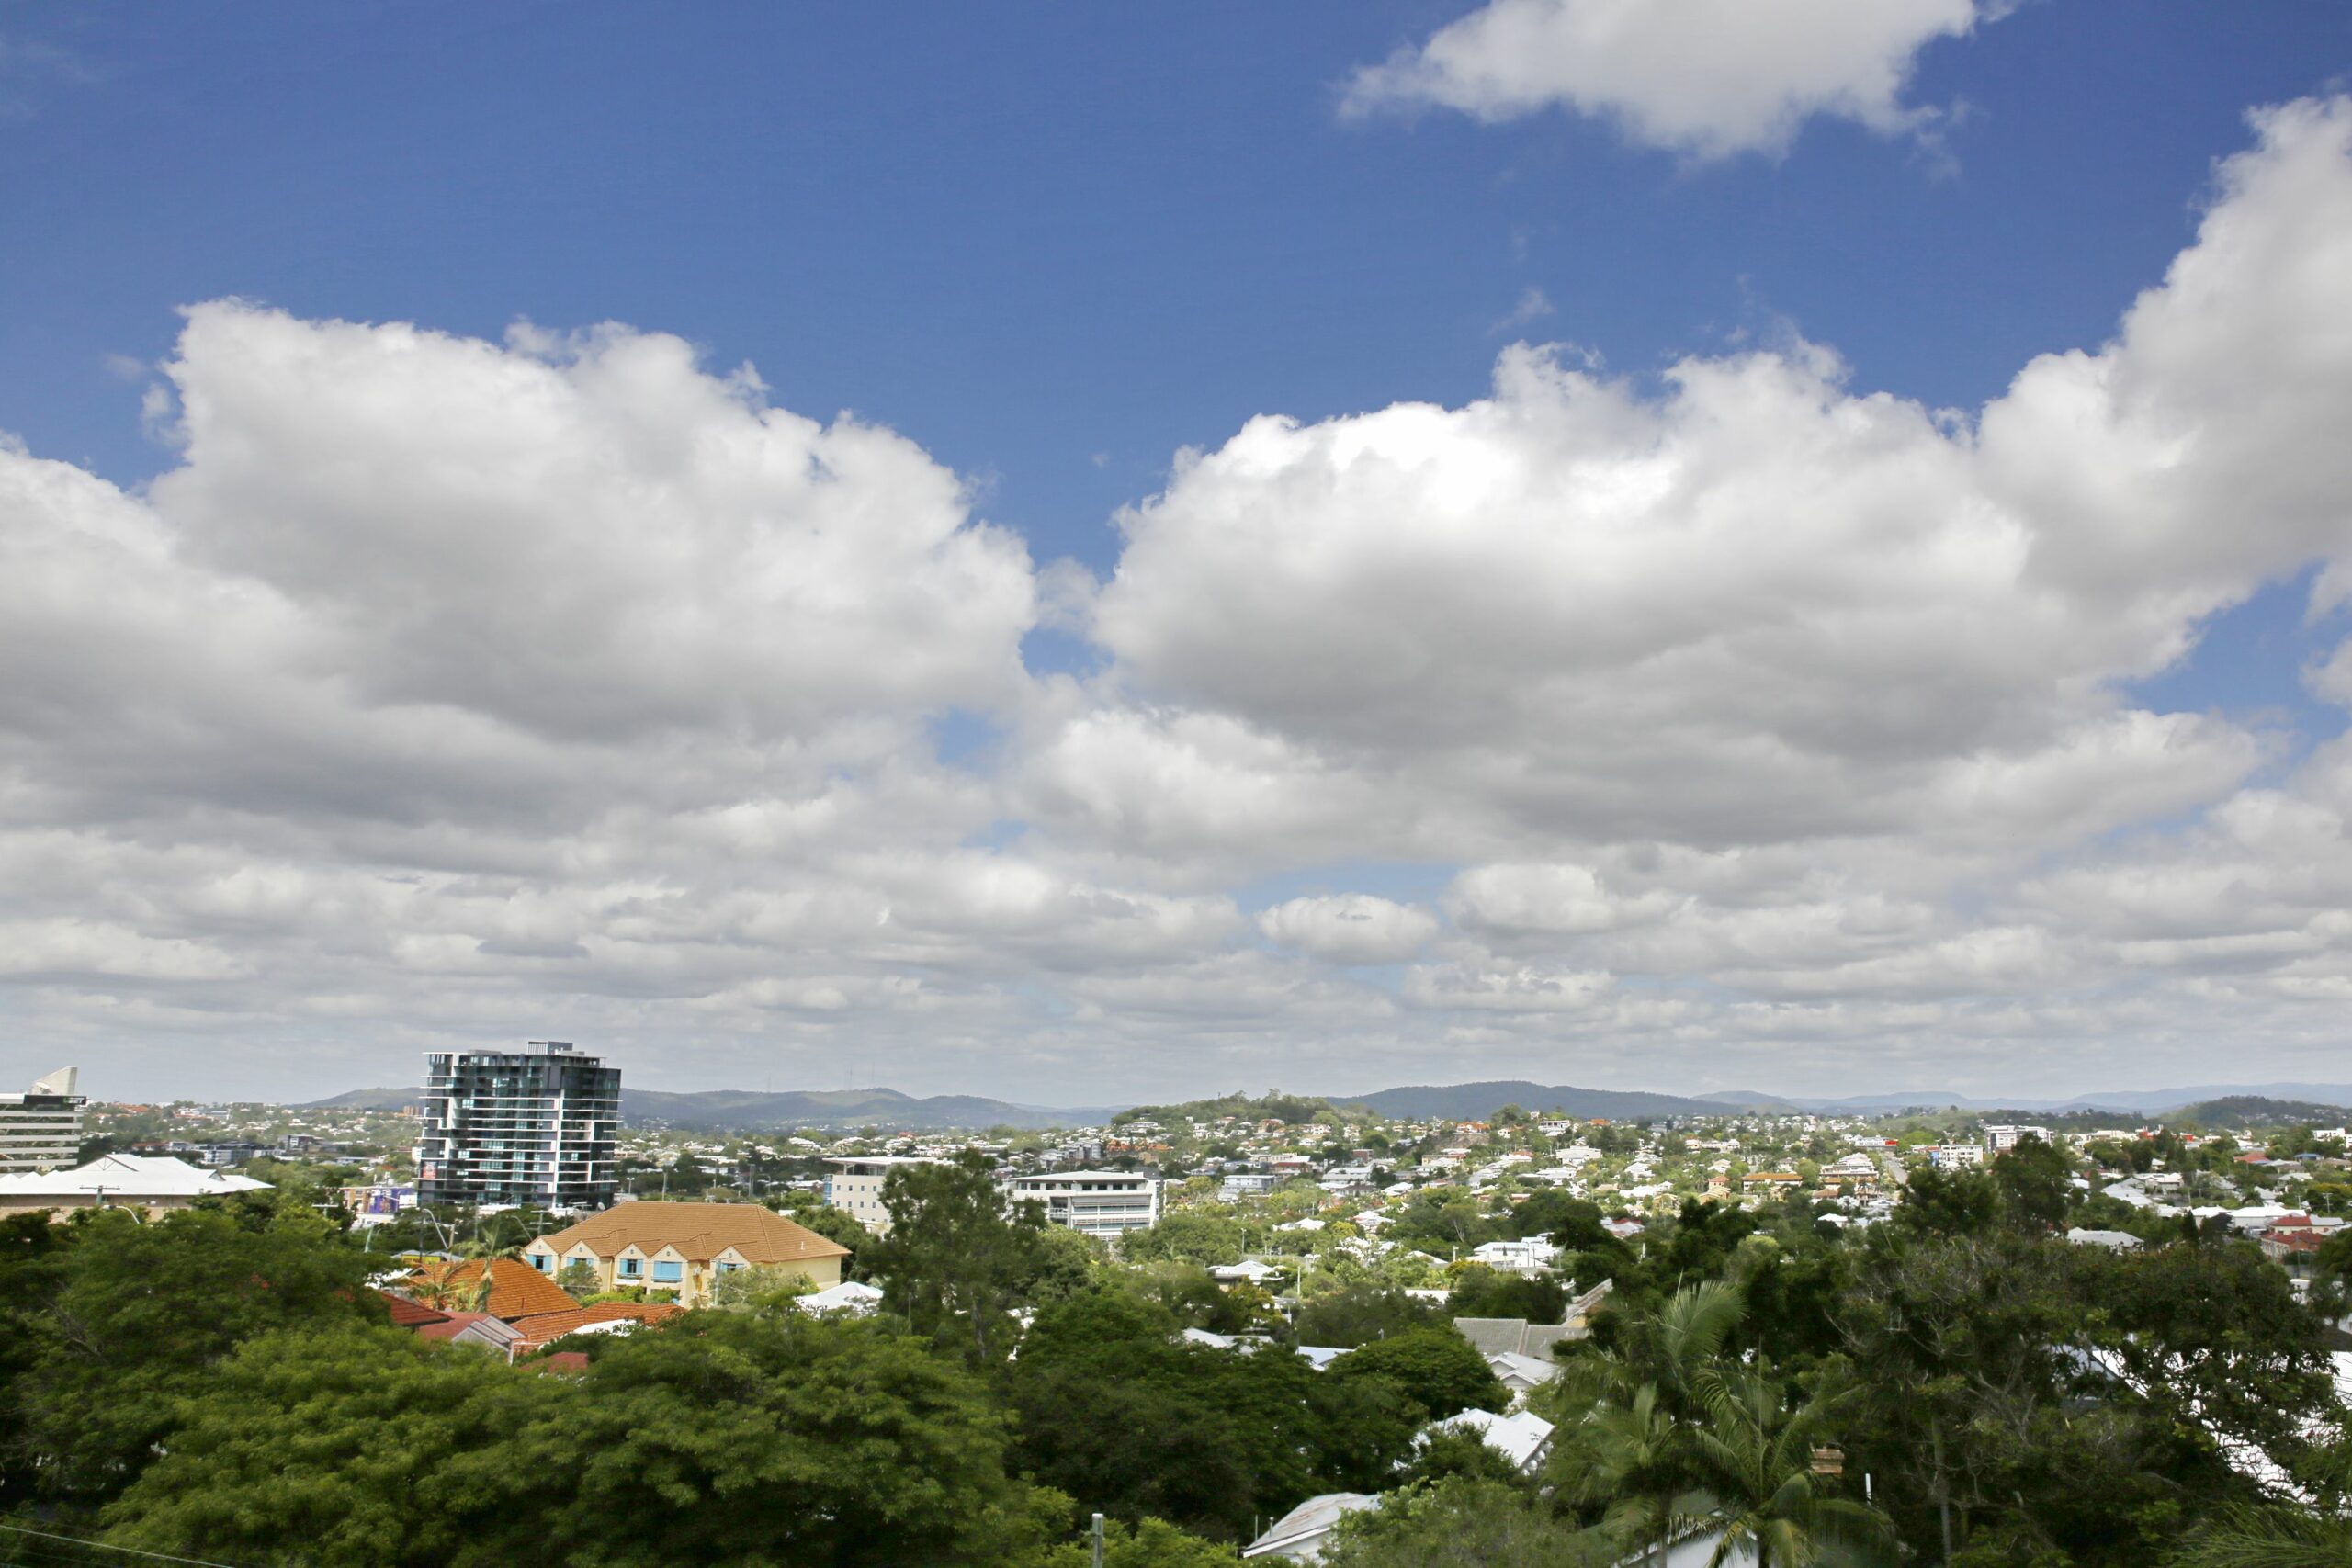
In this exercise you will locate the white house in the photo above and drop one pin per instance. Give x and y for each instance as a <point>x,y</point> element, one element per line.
<point>1521,1439</point>
<point>146,1182</point>
<point>1300,1534</point>
<point>1520,1374</point>
<point>1534,1255</point>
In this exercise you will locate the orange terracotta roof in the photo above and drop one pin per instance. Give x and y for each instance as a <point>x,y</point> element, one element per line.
<point>542,1328</point>
<point>572,1363</point>
<point>700,1232</point>
<point>516,1289</point>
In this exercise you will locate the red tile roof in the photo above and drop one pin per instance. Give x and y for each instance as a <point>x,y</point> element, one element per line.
<point>407,1314</point>
<point>545,1327</point>
<point>516,1289</point>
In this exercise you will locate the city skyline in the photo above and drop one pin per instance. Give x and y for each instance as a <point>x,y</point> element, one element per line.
<point>1080,558</point>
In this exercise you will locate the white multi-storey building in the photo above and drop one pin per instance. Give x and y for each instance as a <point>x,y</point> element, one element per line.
<point>1099,1202</point>
<point>2001,1139</point>
<point>41,1128</point>
<point>856,1186</point>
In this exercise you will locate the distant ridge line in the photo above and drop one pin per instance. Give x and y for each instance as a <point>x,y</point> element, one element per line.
<point>744,1110</point>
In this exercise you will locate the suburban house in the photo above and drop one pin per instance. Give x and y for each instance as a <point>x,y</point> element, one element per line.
<point>473,1328</point>
<point>1516,1336</point>
<point>1299,1536</point>
<point>606,1317</point>
<point>1521,1439</point>
<point>149,1183</point>
<point>1534,1255</point>
<point>682,1250</point>
<point>2114,1241</point>
<point>523,1334</point>
<point>1521,1374</point>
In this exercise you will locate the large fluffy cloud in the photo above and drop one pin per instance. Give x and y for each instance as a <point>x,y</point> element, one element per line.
<point>1742,725</point>
<point>1706,77</point>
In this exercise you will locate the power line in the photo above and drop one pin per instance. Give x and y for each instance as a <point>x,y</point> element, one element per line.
<point>127,1551</point>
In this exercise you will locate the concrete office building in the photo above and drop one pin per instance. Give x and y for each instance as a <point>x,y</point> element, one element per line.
<point>41,1128</point>
<point>1099,1202</point>
<point>534,1127</point>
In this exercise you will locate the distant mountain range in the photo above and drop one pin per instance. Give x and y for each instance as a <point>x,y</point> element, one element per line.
<point>2137,1102</point>
<point>743,1111</point>
<point>1469,1101</point>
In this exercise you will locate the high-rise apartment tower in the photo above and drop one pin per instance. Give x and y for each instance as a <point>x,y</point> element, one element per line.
<point>41,1128</point>
<point>535,1127</point>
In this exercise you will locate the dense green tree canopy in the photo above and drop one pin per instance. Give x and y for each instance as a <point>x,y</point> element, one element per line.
<point>1435,1367</point>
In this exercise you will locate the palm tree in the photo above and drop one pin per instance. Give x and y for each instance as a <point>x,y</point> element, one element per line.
<point>1752,1465</point>
<point>450,1286</point>
<point>2269,1538</point>
<point>1625,1459</point>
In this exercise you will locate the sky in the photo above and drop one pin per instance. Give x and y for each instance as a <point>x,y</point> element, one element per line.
<point>1094,554</point>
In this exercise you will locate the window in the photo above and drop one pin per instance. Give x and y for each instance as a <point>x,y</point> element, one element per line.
<point>632,1268</point>
<point>536,1261</point>
<point>728,1268</point>
<point>669,1273</point>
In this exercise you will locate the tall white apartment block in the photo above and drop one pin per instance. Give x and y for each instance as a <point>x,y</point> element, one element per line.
<point>41,1128</point>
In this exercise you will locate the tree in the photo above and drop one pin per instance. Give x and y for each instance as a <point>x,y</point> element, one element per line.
<point>1358,1314</point>
<point>142,1313</point>
<point>1187,1236</point>
<point>1117,1412</point>
<point>1950,1203</point>
<point>1483,1291</point>
<point>1435,1367</point>
<point>32,1268</point>
<point>449,1286</point>
<point>341,1439</point>
<point>1751,1463</point>
<point>1463,1522</point>
<point>1149,1543</point>
<point>762,1288</point>
<point>745,1438</point>
<point>955,1260</point>
<point>806,1209</point>
<point>1573,1223</point>
<point>1622,1465</point>
<point>2248,1537</point>
<point>2032,1177</point>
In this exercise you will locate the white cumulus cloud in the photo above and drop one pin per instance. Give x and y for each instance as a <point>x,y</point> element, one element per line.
<point>1705,77</point>
<point>1351,928</point>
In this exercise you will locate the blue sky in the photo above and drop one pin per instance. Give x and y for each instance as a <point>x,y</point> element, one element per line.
<point>1053,245</point>
<point>1037,235</point>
